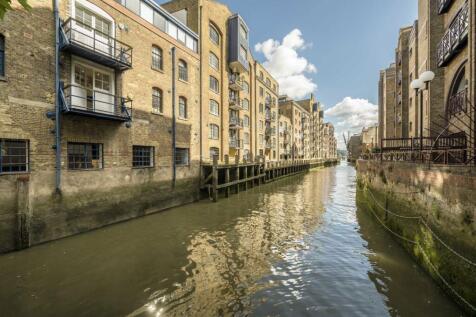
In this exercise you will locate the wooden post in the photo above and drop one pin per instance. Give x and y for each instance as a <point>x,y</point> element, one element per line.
<point>215,178</point>
<point>253,175</point>
<point>237,175</point>
<point>227,176</point>
<point>245,176</point>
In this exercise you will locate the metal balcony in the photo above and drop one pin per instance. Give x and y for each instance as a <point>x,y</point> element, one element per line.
<point>92,103</point>
<point>267,116</point>
<point>455,37</point>
<point>457,104</point>
<point>236,123</point>
<point>236,143</point>
<point>444,6</point>
<point>82,40</point>
<point>235,83</point>
<point>235,103</point>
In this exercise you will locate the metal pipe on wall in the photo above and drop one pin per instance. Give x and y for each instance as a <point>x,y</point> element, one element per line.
<point>57,100</point>
<point>174,165</point>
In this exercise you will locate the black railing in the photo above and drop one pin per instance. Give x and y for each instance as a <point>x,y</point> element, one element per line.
<point>95,103</point>
<point>457,141</point>
<point>457,104</point>
<point>455,36</point>
<point>96,45</point>
<point>236,122</point>
<point>444,5</point>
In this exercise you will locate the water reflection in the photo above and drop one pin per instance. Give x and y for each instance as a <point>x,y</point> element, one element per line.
<point>295,247</point>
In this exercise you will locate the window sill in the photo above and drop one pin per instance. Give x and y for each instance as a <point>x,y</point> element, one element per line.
<point>3,78</point>
<point>157,113</point>
<point>214,114</point>
<point>184,81</point>
<point>14,173</point>
<point>143,167</point>
<point>85,169</point>
<point>183,119</point>
<point>215,92</point>
<point>179,165</point>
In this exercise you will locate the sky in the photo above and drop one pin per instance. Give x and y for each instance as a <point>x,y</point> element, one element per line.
<point>332,48</point>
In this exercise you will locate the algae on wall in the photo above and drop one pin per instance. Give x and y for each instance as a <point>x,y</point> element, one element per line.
<point>411,221</point>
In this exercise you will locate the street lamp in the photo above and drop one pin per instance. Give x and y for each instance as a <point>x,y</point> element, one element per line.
<point>422,84</point>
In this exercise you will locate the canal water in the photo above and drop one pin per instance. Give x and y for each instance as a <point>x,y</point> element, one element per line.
<point>296,247</point>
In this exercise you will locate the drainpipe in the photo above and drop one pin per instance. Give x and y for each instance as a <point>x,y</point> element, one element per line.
<point>201,85</point>
<point>57,101</point>
<point>174,168</point>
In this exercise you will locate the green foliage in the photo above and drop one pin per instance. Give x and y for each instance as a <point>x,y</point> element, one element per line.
<point>6,5</point>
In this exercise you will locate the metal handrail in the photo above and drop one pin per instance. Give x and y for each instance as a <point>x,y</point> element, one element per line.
<point>115,48</point>
<point>457,32</point>
<point>94,101</point>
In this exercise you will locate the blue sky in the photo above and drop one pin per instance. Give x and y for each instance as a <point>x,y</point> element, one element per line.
<point>338,51</point>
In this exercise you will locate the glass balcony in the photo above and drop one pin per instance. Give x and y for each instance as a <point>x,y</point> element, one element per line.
<point>236,123</point>
<point>455,37</point>
<point>93,103</point>
<point>236,143</point>
<point>235,103</point>
<point>235,82</point>
<point>82,40</point>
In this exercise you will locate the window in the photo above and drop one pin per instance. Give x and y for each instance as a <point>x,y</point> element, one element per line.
<point>268,82</point>
<point>84,156</point>
<point>243,53</point>
<point>159,21</point>
<point>142,156</point>
<point>243,32</point>
<point>214,132</point>
<point>13,156</point>
<point>261,125</point>
<point>245,104</point>
<point>157,100</point>
<point>246,121</point>
<point>261,139</point>
<point>261,109</point>
<point>261,91</point>
<point>213,61</point>
<point>181,156</point>
<point>214,151</point>
<point>261,75</point>
<point>157,58</point>
<point>214,85</point>
<point>214,107</point>
<point>2,55</point>
<point>183,70</point>
<point>172,29</point>
<point>247,138</point>
<point>181,36</point>
<point>246,87</point>
<point>146,12</point>
<point>214,35</point>
<point>182,107</point>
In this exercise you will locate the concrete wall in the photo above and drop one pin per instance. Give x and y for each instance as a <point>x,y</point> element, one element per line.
<point>444,198</point>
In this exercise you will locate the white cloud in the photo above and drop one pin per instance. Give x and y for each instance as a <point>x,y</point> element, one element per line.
<point>286,66</point>
<point>351,115</point>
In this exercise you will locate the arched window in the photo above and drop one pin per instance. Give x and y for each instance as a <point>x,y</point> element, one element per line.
<point>246,121</point>
<point>2,55</point>
<point>457,98</point>
<point>214,34</point>
<point>214,107</point>
<point>246,104</point>
<point>182,107</point>
<point>157,58</point>
<point>157,100</point>
<point>247,138</point>
<point>246,87</point>
<point>214,132</point>
<point>183,70</point>
<point>214,84</point>
<point>214,62</point>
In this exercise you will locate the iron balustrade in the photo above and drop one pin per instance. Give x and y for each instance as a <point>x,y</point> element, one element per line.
<point>95,103</point>
<point>236,143</point>
<point>444,5</point>
<point>236,122</point>
<point>455,36</point>
<point>96,45</point>
<point>457,103</point>
<point>235,82</point>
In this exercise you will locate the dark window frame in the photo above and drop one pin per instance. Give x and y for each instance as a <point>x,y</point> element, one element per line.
<point>183,103</point>
<point>179,159</point>
<point>73,164</point>
<point>143,154</point>
<point>157,98</point>
<point>2,55</point>
<point>24,167</point>
<point>182,70</point>
<point>157,58</point>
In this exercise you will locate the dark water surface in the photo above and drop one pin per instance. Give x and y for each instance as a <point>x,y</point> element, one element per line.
<point>296,247</point>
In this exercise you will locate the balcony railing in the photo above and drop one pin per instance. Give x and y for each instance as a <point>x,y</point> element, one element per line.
<point>267,116</point>
<point>455,37</point>
<point>94,45</point>
<point>457,104</point>
<point>235,103</point>
<point>93,103</point>
<point>235,83</point>
<point>444,5</point>
<point>236,123</point>
<point>236,143</point>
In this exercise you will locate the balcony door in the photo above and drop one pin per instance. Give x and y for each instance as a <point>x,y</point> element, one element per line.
<point>92,30</point>
<point>92,89</point>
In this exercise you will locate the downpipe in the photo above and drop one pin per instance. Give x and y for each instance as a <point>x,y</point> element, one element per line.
<point>174,165</point>
<point>57,145</point>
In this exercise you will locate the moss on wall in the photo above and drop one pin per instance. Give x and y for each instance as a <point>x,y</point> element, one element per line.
<point>460,275</point>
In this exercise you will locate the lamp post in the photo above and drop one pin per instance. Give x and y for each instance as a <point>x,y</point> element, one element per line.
<point>420,85</point>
